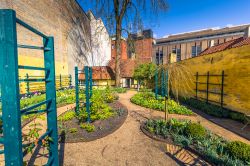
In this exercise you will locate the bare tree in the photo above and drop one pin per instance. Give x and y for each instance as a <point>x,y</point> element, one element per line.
<point>125,16</point>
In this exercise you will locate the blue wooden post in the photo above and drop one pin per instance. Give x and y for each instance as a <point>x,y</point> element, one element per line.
<point>49,64</point>
<point>77,90</point>
<point>156,84</point>
<point>10,89</point>
<point>86,71</point>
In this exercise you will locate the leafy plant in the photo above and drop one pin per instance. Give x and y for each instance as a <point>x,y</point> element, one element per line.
<point>195,130</point>
<point>216,149</point>
<point>147,99</point>
<point>73,130</point>
<point>239,150</point>
<point>67,116</point>
<point>88,127</point>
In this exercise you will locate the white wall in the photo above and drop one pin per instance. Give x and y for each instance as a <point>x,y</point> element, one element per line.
<point>100,44</point>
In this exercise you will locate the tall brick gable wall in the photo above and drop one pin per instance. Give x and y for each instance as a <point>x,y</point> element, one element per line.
<point>63,19</point>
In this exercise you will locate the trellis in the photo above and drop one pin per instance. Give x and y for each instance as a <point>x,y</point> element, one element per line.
<point>87,85</point>
<point>208,83</point>
<point>11,113</point>
<point>161,77</point>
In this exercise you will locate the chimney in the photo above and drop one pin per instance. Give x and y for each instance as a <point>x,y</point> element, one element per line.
<point>211,43</point>
<point>247,32</point>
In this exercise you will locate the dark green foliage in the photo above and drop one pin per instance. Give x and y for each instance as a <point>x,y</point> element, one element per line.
<point>147,99</point>
<point>214,110</point>
<point>214,148</point>
<point>239,150</point>
<point>145,73</point>
<point>195,130</point>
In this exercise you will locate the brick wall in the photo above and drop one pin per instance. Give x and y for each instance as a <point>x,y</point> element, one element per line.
<point>63,19</point>
<point>124,54</point>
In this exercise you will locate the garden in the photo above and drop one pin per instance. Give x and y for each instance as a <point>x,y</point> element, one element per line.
<point>106,115</point>
<point>197,139</point>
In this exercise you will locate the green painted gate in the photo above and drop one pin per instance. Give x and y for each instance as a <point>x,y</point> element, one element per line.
<point>11,113</point>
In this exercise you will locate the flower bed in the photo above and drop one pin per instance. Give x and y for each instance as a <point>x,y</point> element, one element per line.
<point>147,99</point>
<point>107,114</point>
<point>195,137</point>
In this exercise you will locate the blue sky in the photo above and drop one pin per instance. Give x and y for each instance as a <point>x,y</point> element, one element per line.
<point>190,15</point>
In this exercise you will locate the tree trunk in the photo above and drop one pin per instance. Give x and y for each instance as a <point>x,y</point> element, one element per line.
<point>118,55</point>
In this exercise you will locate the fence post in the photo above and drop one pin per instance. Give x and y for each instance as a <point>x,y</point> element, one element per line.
<point>207,86</point>
<point>86,71</point>
<point>156,84</point>
<point>90,81</point>
<point>166,85</point>
<point>49,64</point>
<point>70,80</point>
<point>60,81</point>
<point>77,90</point>
<point>10,89</point>
<point>27,84</point>
<point>222,88</point>
<point>196,85</point>
<point>162,83</point>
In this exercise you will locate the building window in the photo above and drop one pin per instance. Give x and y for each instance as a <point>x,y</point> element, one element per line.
<point>174,50</point>
<point>196,50</point>
<point>178,54</point>
<point>159,57</point>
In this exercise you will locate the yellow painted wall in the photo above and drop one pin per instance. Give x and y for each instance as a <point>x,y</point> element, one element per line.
<point>236,64</point>
<point>60,68</point>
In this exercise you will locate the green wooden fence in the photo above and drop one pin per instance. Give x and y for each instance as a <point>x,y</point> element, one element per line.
<point>11,113</point>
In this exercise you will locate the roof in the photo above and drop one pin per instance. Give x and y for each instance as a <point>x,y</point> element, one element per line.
<point>108,72</point>
<point>201,33</point>
<point>100,73</point>
<point>227,45</point>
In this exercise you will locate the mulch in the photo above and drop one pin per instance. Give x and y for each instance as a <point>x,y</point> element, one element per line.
<point>102,127</point>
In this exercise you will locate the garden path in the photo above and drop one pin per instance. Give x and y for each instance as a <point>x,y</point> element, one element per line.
<point>129,146</point>
<point>126,146</point>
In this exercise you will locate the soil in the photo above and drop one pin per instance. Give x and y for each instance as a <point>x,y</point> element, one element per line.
<point>102,127</point>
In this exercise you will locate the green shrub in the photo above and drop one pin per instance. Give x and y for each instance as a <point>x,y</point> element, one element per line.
<point>195,130</point>
<point>147,99</point>
<point>73,130</point>
<point>88,127</point>
<point>67,116</point>
<point>119,90</point>
<point>214,110</point>
<point>239,150</point>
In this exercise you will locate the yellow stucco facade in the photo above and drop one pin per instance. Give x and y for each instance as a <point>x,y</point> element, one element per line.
<point>236,64</point>
<point>60,68</point>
